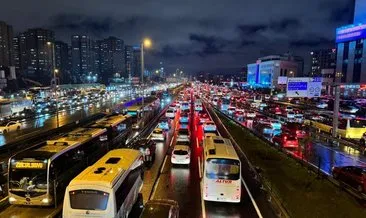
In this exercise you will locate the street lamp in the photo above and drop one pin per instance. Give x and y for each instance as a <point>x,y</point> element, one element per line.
<point>145,43</point>
<point>54,80</point>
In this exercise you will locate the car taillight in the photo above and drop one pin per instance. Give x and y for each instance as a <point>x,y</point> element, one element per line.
<point>285,138</point>
<point>187,157</point>
<point>298,131</point>
<point>173,156</point>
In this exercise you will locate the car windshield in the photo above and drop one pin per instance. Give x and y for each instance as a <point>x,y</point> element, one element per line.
<point>183,132</point>
<point>180,152</point>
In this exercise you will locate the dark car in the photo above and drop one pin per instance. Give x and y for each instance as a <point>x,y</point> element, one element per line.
<point>162,208</point>
<point>295,129</point>
<point>147,147</point>
<point>354,176</point>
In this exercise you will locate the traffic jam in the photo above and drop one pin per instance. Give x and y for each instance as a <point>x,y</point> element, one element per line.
<point>290,126</point>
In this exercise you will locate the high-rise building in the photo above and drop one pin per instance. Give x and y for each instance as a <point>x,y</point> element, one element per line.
<point>62,62</point>
<point>359,7</point>
<point>129,61</point>
<point>33,55</point>
<point>322,59</point>
<point>82,58</point>
<point>266,71</point>
<point>112,63</point>
<point>97,57</point>
<point>351,48</point>
<point>6,45</point>
<point>136,61</point>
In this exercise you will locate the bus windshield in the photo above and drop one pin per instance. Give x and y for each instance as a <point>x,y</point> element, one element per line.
<point>34,180</point>
<point>222,169</point>
<point>88,199</point>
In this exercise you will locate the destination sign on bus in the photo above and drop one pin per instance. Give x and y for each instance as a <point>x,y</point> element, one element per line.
<point>30,165</point>
<point>223,181</point>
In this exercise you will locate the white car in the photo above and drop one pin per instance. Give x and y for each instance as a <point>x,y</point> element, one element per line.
<point>291,115</point>
<point>322,105</point>
<point>209,126</point>
<point>170,113</point>
<point>10,127</point>
<point>157,135</point>
<point>183,135</point>
<point>251,114</point>
<point>181,154</point>
<point>231,110</point>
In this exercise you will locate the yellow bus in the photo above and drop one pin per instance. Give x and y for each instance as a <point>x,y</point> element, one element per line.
<point>109,188</point>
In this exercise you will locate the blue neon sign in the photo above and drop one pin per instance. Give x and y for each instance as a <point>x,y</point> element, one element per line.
<point>350,33</point>
<point>297,86</point>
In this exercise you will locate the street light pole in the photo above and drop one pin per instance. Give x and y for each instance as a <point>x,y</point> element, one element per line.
<point>142,76</point>
<point>54,70</point>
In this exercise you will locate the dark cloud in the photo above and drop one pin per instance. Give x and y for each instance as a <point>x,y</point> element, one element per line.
<point>204,33</point>
<point>313,42</point>
<point>252,29</point>
<point>210,44</point>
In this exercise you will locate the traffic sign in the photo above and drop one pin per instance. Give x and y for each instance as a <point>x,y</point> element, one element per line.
<point>302,87</point>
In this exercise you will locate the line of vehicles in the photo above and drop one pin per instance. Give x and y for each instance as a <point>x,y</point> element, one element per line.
<point>220,165</point>
<point>287,133</point>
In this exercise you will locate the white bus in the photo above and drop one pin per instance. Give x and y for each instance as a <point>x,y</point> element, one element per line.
<point>109,188</point>
<point>37,175</point>
<point>221,171</point>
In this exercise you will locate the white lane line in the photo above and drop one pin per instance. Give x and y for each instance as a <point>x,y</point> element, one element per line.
<point>203,207</point>
<point>161,170</point>
<point>252,199</point>
<point>197,142</point>
<point>154,191</point>
<point>199,167</point>
<point>171,142</point>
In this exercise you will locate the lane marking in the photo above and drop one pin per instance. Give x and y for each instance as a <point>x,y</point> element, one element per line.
<point>155,187</point>
<point>252,199</point>
<point>199,167</point>
<point>203,206</point>
<point>161,170</point>
<point>171,141</point>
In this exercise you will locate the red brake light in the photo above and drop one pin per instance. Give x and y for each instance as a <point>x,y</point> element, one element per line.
<point>285,138</point>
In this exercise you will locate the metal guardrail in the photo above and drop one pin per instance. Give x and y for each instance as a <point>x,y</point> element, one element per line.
<point>273,197</point>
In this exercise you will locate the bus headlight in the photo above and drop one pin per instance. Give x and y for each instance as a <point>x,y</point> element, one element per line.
<point>12,199</point>
<point>45,200</point>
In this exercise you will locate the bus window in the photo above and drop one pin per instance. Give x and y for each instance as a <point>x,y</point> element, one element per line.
<point>88,199</point>
<point>223,169</point>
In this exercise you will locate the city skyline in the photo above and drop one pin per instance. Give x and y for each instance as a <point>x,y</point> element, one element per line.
<point>206,37</point>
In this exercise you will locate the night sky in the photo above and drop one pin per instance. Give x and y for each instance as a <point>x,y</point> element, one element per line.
<point>211,35</point>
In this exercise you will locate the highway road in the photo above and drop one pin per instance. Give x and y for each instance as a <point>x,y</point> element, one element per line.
<point>182,183</point>
<point>49,121</point>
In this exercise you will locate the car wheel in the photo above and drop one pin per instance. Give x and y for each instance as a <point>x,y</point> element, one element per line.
<point>359,188</point>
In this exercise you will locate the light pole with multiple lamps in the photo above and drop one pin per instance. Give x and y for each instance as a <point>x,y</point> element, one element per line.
<point>54,80</point>
<point>145,43</point>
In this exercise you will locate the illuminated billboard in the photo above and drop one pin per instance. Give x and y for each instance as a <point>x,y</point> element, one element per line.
<point>350,33</point>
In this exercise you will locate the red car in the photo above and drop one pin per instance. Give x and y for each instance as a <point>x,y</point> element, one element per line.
<point>286,140</point>
<point>354,176</point>
<point>296,129</point>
